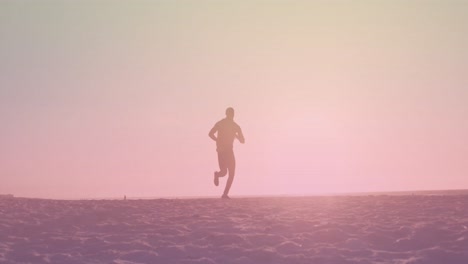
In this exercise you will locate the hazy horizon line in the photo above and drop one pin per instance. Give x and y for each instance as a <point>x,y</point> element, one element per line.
<point>356,193</point>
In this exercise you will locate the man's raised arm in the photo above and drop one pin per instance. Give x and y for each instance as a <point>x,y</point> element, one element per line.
<point>240,136</point>
<point>212,133</point>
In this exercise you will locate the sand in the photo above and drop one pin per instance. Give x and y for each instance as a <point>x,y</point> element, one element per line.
<point>334,229</point>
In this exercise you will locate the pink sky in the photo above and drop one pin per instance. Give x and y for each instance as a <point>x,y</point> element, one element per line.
<point>101,100</point>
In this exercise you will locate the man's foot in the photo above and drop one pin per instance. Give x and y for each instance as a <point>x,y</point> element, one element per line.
<point>225,196</point>
<point>216,179</point>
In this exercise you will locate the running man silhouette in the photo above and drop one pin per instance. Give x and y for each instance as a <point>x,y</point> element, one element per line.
<point>226,131</point>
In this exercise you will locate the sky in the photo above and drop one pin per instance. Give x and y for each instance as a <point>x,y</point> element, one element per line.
<point>112,98</point>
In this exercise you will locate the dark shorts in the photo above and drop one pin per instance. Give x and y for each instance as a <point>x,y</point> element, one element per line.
<point>226,160</point>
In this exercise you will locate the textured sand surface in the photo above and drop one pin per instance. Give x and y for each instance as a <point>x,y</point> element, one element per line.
<point>335,229</point>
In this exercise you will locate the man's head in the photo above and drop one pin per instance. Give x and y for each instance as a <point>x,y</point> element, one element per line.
<point>230,113</point>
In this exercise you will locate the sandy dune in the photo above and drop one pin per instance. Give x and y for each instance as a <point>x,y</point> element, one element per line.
<point>339,229</point>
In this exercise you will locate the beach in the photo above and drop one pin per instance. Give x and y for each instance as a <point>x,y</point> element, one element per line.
<point>316,229</point>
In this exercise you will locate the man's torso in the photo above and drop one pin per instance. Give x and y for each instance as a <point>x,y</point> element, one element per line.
<point>227,130</point>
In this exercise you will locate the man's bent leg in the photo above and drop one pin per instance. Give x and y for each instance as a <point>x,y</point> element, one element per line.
<point>223,164</point>
<point>222,168</point>
<point>216,178</point>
